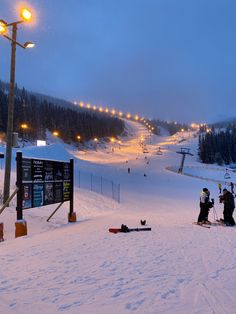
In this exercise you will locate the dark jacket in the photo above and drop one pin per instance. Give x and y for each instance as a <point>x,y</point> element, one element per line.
<point>228,200</point>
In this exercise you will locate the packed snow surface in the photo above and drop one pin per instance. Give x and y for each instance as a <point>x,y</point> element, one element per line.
<point>80,267</point>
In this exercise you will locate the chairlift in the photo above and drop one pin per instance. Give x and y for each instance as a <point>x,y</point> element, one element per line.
<point>227,175</point>
<point>159,152</point>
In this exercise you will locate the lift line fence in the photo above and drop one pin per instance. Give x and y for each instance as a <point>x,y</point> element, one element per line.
<point>99,184</point>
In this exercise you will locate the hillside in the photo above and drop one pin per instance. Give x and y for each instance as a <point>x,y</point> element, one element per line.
<point>177,267</point>
<point>41,113</point>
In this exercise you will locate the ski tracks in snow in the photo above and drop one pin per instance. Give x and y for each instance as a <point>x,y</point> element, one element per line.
<point>210,287</point>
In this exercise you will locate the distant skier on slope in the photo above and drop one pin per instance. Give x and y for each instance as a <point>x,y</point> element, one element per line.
<point>228,200</point>
<point>232,187</point>
<point>205,206</point>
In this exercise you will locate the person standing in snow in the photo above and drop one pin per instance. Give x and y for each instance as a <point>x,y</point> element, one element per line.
<point>205,206</point>
<point>228,200</point>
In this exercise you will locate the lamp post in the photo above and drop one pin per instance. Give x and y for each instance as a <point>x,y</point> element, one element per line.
<point>25,16</point>
<point>79,139</point>
<point>23,126</point>
<point>96,143</point>
<point>112,144</point>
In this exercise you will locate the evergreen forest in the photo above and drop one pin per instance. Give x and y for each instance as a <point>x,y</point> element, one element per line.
<point>42,113</point>
<point>171,127</point>
<point>218,146</point>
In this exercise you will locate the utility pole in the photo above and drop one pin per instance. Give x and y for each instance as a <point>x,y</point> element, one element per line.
<point>7,177</point>
<point>26,16</point>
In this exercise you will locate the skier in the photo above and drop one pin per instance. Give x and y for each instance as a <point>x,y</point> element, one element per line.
<point>220,188</point>
<point>228,200</point>
<point>232,187</point>
<point>205,205</point>
<point>128,170</point>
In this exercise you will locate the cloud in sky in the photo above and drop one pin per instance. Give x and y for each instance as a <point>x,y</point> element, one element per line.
<point>161,58</point>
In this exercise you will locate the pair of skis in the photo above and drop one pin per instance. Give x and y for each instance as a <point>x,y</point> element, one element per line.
<point>202,225</point>
<point>217,223</point>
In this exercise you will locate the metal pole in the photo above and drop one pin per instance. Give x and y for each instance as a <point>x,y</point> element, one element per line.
<point>7,177</point>
<point>55,211</point>
<point>71,186</point>
<point>182,164</point>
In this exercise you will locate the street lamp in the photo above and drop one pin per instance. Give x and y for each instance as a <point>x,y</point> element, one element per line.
<point>24,126</point>
<point>3,27</point>
<point>26,16</point>
<point>112,141</point>
<point>96,143</point>
<point>78,137</point>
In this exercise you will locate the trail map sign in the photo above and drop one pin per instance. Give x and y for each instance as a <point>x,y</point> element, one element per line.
<point>43,182</point>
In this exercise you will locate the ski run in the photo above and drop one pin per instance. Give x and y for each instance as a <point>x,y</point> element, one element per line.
<point>82,268</point>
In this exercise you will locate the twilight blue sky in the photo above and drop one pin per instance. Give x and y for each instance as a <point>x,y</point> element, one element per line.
<point>169,59</point>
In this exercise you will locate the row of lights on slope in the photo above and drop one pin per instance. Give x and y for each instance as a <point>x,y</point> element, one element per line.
<point>109,111</point>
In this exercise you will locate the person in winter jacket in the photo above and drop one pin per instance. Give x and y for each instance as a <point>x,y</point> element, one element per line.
<point>205,205</point>
<point>228,200</point>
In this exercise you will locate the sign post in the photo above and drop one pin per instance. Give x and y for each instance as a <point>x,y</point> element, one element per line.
<point>43,182</point>
<point>20,224</point>
<point>72,214</point>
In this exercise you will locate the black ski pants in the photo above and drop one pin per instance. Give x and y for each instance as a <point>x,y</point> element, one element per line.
<point>228,216</point>
<point>204,211</point>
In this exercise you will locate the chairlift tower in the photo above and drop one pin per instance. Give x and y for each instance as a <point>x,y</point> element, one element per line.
<point>183,151</point>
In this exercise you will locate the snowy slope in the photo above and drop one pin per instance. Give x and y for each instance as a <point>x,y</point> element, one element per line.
<point>81,268</point>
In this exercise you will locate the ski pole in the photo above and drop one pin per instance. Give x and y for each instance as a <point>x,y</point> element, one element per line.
<point>215,214</point>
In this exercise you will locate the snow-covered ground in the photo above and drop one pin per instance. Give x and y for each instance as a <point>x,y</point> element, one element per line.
<point>76,268</point>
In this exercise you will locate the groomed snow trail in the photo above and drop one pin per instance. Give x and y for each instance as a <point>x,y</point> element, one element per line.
<point>81,268</point>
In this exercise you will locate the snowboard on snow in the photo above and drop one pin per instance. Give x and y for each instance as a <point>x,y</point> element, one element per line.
<point>116,230</point>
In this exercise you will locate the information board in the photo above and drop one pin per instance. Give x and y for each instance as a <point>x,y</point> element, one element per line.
<point>45,182</point>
